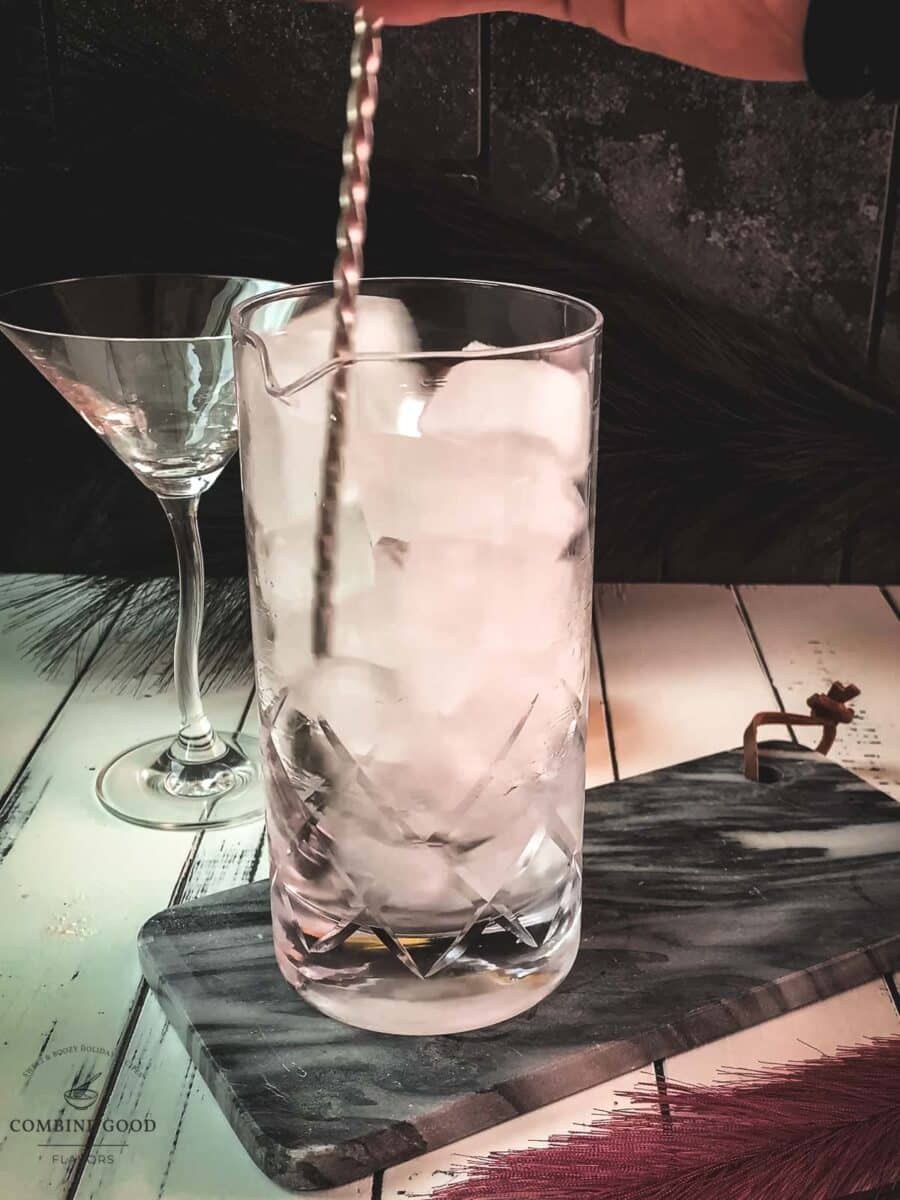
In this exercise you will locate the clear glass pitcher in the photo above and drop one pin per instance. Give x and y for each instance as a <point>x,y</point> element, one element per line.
<point>425,779</point>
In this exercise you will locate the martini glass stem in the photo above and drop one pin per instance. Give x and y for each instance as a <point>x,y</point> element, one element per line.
<point>197,741</point>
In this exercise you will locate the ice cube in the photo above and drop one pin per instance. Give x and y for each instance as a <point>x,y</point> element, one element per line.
<point>357,700</point>
<point>522,713</point>
<point>385,395</point>
<point>284,583</point>
<point>369,624</point>
<point>282,451</point>
<point>464,606</point>
<point>414,789</point>
<point>490,651</point>
<point>383,326</point>
<point>527,397</point>
<point>501,599</point>
<point>496,488</point>
<point>368,714</point>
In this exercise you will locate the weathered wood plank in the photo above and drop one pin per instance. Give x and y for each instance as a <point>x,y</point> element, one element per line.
<point>29,701</point>
<point>683,643</point>
<point>805,636</point>
<point>668,654</point>
<point>811,636</point>
<point>423,1175</point>
<point>662,648</point>
<point>682,677</point>
<point>598,761</point>
<point>661,654</point>
<point>814,635</point>
<point>821,1029</point>
<point>76,886</point>
<point>176,1163</point>
<point>158,1078</point>
<point>796,1037</point>
<point>203,1160</point>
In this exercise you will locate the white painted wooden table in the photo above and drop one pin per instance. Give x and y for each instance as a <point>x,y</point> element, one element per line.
<point>75,884</point>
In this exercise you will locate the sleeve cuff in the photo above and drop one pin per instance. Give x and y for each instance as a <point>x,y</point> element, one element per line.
<point>852,49</point>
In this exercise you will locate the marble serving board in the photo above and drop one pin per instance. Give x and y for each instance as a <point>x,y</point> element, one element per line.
<point>710,905</point>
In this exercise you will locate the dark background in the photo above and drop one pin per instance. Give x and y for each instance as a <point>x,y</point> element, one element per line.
<point>161,135</point>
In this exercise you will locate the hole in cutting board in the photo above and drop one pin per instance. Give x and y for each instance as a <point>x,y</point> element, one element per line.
<point>769,774</point>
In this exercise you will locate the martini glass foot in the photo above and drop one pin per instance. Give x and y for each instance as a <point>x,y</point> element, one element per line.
<point>148,785</point>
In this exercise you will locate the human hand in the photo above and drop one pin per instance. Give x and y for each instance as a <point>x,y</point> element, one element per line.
<point>746,39</point>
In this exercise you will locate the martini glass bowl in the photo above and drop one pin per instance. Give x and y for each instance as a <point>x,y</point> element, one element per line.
<point>147,361</point>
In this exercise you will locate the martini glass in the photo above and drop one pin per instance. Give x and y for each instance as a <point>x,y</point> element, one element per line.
<point>147,361</point>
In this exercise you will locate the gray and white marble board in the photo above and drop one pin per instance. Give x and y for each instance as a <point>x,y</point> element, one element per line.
<point>710,905</point>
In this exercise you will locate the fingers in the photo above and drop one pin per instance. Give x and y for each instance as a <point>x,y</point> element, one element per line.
<point>418,12</point>
<point>748,39</point>
<point>606,16</point>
